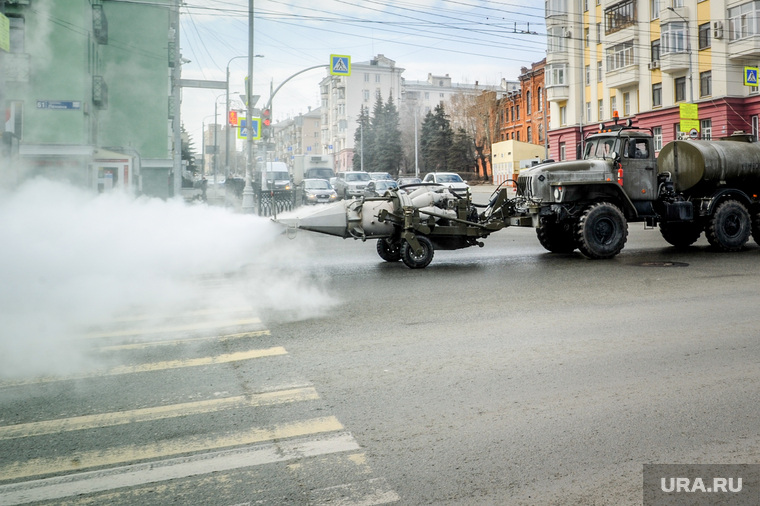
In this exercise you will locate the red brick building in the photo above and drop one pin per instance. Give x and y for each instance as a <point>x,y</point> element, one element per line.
<point>522,115</point>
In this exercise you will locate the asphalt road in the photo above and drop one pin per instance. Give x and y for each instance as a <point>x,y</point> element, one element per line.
<point>497,375</point>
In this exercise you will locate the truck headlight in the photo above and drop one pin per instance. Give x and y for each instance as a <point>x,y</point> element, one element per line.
<point>557,193</point>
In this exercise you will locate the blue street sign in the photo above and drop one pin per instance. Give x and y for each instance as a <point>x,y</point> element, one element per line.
<point>61,105</point>
<point>750,76</point>
<point>340,65</point>
<point>243,130</point>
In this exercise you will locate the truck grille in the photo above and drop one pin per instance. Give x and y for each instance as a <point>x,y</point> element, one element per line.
<point>523,185</point>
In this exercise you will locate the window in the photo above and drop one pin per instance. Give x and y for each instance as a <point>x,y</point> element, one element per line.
<point>705,126</point>
<point>677,131</point>
<point>673,38</point>
<point>705,84</point>
<point>657,132</point>
<point>742,21</point>
<point>586,36</point>
<point>512,113</point>
<point>588,112</point>
<point>585,5</point>
<point>562,151</point>
<point>619,16</point>
<point>704,35</point>
<point>556,7</point>
<point>679,87</point>
<point>599,72</point>
<point>555,75</point>
<point>540,99</point>
<point>588,75</point>
<point>656,50</point>
<point>563,115</point>
<point>598,33</point>
<point>366,78</point>
<point>517,112</point>
<point>657,95</point>
<point>540,133</point>
<point>556,39</point>
<point>528,104</point>
<point>619,56</point>
<point>677,3</point>
<point>518,136</point>
<point>655,6</point>
<point>530,134</point>
<point>626,104</point>
<point>613,106</point>
<point>427,95</point>
<point>366,95</point>
<point>600,105</point>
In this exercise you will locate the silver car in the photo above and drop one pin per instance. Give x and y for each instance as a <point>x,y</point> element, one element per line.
<point>351,184</point>
<point>318,191</point>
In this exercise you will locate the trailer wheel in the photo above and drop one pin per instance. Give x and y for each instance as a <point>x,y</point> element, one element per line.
<point>414,261</point>
<point>602,231</point>
<point>756,227</point>
<point>681,235</point>
<point>729,227</point>
<point>388,250</point>
<point>556,237</point>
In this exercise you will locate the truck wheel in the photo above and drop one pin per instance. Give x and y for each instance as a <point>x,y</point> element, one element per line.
<point>756,227</point>
<point>729,227</point>
<point>681,235</point>
<point>417,261</point>
<point>556,237</point>
<point>602,231</point>
<point>389,251</point>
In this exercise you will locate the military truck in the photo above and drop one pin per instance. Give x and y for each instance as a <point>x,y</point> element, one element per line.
<point>693,186</point>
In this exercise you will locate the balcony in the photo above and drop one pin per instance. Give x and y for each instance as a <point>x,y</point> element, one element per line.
<point>674,62</point>
<point>558,93</point>
<point>623,77</point>
<point>744,48</point>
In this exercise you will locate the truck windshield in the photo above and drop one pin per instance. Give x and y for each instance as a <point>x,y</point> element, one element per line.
<point>602,147</point>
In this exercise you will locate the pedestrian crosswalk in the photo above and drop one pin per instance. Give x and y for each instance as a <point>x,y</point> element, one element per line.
<point>198,414</point>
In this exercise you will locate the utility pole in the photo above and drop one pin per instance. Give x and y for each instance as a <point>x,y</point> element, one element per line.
<point>248,189</point>
<point>176,123</point>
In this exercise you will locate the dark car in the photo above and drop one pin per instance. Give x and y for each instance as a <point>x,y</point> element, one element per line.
<point>379,188</point>
<point>318,191</point>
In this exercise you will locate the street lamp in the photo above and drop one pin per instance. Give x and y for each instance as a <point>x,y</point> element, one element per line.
<point>227,113</point>
<point>688,51</point>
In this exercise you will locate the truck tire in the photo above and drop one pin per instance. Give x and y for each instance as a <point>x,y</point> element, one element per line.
<point>681,235</point>
<point>388,250</point>
<point>602,231</point>
<point>556,237</point>
<point>417,261</point>
<point>729,226</point>
<point>756,227</point>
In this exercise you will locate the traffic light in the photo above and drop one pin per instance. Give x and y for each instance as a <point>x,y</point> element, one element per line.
<point>233,119</point>
<point>266,123</point>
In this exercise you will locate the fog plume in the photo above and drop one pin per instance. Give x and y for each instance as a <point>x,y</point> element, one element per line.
<point>71,261</point>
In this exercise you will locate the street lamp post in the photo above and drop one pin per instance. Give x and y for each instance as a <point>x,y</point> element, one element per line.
<point>227,115</point>
<point>688,51</point>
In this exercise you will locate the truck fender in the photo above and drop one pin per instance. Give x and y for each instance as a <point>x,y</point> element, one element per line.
<point>602,191</point>
<point>709,204</point>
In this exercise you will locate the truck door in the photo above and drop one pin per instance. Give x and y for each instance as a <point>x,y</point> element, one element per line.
<point>639,169</point>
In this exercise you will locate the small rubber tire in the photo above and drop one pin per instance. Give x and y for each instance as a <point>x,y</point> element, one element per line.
<point>556,237</point>
<point>414,261</point>
<point>389,251</point>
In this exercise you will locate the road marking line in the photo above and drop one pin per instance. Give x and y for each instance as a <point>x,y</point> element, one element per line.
<point>157,366</point>
<point>119,455</point>
<point>363,493</point>
<point>174,328</point>
<point>155,413</point>
<point>49,489</point>
<point>175,342</point>
<point>187,314</point>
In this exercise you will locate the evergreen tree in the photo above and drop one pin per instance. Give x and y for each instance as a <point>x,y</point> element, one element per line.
<point>362,137</point>
<point>436,140</point>
<point>388,140</point>
<point>462,153</point>
<point>188,151</point>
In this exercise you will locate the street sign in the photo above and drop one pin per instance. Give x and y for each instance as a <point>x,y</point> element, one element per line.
<point>243,130</point>
<point>750,76</point>
<point>340,65</point>
<point>61,105</point>
<point>5,33</point>
<point>693,133</point>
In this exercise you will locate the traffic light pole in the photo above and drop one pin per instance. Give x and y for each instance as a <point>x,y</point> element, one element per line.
<point>247,205</point>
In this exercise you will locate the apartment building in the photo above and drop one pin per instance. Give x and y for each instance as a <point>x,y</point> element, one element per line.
<point>85,86</point>
<point>643,59</point>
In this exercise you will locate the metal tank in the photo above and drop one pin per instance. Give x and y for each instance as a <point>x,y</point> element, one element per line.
<point>704,165</point>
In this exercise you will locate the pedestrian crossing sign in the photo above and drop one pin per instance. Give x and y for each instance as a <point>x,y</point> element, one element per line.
<point>750,76</point>
<point>340,65</point>
<point>243,130</point>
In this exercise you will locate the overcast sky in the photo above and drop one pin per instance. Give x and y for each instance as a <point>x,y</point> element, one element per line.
<point>471,40</point>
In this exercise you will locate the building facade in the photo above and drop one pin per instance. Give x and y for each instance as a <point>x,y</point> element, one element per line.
<point>642,59</point>
<point>86,90</point>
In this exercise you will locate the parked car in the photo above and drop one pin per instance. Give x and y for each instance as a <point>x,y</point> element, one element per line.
<point>379,188</point>
<point>318,191</point>
<point>351,184</point>
<point>408,180</point>
<point>450,180</point>
<point>380,176</point>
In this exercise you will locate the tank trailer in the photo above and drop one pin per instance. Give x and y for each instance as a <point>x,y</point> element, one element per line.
<point>585,204</point>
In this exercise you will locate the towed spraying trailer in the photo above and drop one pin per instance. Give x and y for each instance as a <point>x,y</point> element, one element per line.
<point>585,204</point>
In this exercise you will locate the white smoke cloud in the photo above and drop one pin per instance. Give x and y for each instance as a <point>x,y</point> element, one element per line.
<point>72,261</point>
